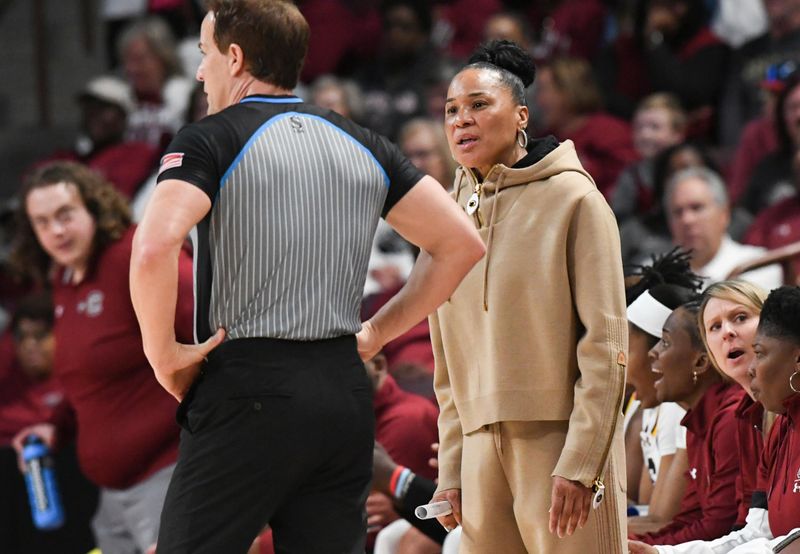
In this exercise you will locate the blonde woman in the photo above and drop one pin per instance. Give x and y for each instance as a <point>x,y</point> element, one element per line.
<point>727,319</point>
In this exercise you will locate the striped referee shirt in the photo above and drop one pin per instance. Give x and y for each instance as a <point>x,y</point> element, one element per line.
<point>296,194</point>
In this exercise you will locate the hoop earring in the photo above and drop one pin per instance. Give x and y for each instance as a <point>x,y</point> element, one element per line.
<point>694,377</point>
<point>791,379</point>
<point>523,142</point>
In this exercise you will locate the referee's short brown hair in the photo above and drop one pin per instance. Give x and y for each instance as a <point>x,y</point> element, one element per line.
<point>273,35</point>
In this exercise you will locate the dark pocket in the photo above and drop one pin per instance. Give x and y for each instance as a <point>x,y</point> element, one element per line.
<point>182,413</point>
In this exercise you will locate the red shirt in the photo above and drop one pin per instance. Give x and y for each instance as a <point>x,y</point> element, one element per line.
<point>406,425</point>
<point>23,401</point>
<point>125,420</point>
<point>777,226</point>
<point>605,148</point>
<point>758,140</point>
<point>126,165</point>
<point>711,447</point>
<point>749,423</point>
<point>781,468</point>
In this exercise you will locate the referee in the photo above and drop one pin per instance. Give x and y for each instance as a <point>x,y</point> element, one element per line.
<point>276,406</point>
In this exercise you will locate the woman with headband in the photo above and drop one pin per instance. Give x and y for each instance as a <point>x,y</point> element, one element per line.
<point>773,524</point>
<point>661,287</point>
<point>531,348</point>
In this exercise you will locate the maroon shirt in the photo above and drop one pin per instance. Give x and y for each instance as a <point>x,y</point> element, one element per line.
<point>406,426</point>
<point>604,147</point>
<point>126,165</point>
<point>23,401</point>
<point>711,447</point>
<point>749,426</point>
<point>758,140</point>
<point>125,421</point>
<point>780,469</point>
<point>777,226</point>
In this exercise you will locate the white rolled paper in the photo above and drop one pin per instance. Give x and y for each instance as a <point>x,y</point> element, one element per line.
<point>434,509</point>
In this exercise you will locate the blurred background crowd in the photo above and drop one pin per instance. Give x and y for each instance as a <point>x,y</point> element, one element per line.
<point>644,88</point>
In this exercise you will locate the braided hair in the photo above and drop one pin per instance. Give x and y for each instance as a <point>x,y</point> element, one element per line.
<point>668,278</point>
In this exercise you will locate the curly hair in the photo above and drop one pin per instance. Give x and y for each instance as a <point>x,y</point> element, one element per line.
<point>107,207</point>
<point>779,315</point>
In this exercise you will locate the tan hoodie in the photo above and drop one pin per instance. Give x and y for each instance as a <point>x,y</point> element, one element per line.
<point>537,330</point>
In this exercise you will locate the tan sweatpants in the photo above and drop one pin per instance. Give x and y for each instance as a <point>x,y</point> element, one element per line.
<point>506,485</point>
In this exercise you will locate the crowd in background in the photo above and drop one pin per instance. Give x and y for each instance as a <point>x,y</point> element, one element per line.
<point>686,113</point>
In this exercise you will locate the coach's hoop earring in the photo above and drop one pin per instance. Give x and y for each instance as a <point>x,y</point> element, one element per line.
<point>523,142</point>
<point>791,383</point>
<point>694,377</point>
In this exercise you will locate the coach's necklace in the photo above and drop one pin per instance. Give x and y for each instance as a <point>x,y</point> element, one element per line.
<point>474,200</point>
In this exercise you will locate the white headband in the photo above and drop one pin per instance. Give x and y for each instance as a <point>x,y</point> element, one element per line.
<point>648,314</point>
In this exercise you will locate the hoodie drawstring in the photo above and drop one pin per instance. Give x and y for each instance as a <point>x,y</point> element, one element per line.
<point>458,186</point>
<point>493,210</point>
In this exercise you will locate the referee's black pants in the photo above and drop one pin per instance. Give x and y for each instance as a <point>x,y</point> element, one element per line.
<point>274,432</point>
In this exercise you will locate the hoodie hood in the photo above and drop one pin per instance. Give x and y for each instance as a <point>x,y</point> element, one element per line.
<point>546,158</point>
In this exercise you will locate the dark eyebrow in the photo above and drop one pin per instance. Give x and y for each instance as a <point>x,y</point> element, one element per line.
<point>471,94</point>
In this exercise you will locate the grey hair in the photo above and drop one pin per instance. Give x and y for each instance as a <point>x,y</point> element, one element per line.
<point>159,38</point>
<point>711,178</point>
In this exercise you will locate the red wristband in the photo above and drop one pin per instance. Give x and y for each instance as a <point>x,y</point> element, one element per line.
<point>395,476</point>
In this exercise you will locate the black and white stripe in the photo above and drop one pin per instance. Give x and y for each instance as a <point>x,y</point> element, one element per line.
<point>291,231</point>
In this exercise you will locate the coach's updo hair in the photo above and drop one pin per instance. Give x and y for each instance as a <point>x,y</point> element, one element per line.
<point>514,65</point>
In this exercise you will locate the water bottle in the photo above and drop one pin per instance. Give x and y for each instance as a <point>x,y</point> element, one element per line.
<point>40,479</point>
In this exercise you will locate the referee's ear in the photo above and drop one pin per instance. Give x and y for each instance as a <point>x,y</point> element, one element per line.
<point>235,56</point>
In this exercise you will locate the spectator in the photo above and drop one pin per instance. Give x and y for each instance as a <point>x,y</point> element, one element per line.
<point>75,232</point>
<point>659,122</point>
<point>405,425</point>
<point>153,69</point>
<point>572,28</point>
<point>709,505</point>
<point>423,142</point>
<point>395,85</point>
<point>779,224</point>
<point>508,26</point>
<point>460,24</point>
<point>772,179</point>
<point>738,21</point>
<point>28,394</point>
<point>670,50</point>
<point>742,99</point>
<point>684,57</point>
<point>407,491</point>
<point>106,104</point>
<point>344,33</point>
<point>571,108</point>
<point>698,214</point>
<point>759,136</point>
<point>409,356</point>
<point>340,95</point>
<point>512,25</point>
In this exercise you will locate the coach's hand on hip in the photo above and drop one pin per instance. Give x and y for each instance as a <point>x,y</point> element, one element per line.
<point>177,366</point>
